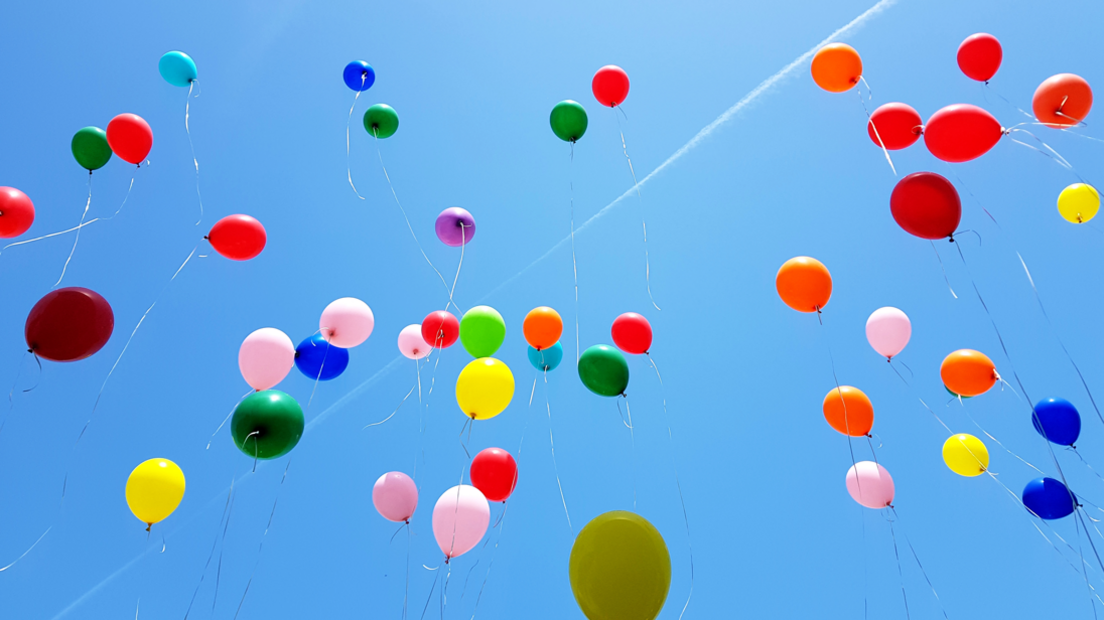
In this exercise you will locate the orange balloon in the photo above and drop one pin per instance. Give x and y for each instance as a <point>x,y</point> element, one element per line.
<point>542,327</point>
<point>1063,100</point>
<point>849,411</point>
<point>968,373</point>
<point>804,284</point>
<point>837,67</point>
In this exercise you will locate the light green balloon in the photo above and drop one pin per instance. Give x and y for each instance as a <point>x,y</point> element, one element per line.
<point>482,331</point>
<point>620,568</point>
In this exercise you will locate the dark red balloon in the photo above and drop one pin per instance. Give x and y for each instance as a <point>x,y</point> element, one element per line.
<point>980,56</point>
<point>926,205</point>
<point>130,137</point>
<point>440,329</point>
<point>69,324</point>
<point>961,132</point>
<point>238,237</point>
<point>632,333</point>
<point>898,125</point>
<point>16,212</point>
<point>494,472</point>
<point>610,85</point>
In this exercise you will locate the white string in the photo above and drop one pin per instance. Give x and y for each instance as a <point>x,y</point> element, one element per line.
<point>188,130</point>
<point>348,123</point>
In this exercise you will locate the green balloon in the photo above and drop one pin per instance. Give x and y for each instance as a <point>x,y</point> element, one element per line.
<point>620,568</point>
<point>90,148</point>
<point>603,370</point>
<point>381,121</point>
<point>482,331</point>
<point>267,424</point>
<point>569,121</point>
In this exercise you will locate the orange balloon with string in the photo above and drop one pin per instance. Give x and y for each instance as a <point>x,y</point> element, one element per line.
<point>837,67</point>
<point>968,373</point>
<point>849,411</point>
<point>804,284</point>
<point>1062,101</point>
<point>542,327</point>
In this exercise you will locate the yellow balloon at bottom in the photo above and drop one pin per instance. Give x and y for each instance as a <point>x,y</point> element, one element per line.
<point>966,455</point>
<point>154,490</point>
<point>1079,203</point>
<point>484,388</point>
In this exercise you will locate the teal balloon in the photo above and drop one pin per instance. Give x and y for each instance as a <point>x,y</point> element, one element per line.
<point>604,371</point>
<point>177,68</point>
<point>90,148</point>
<point>267,424</point>
<point>569,121</point>
<point>546,359</point>
<point>381,121</point>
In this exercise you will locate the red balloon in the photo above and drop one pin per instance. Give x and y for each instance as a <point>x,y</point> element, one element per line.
<point>440,329</point>
<point>980,56</point>
<point>238,237</point>
<point>610,85</point>
<point>926,205</point>
<point>632,333</point>
<point>16,212</point>
<point>1062,100</point>
<point>69,324</point>
<point>494,472</point>
<point>898,125</point>
<point>130,137</point>
<point>961,132</point>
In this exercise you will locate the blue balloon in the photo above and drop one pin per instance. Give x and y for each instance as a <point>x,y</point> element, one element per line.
<point>1057,420</point>
<point>1049,498</point>
<point>359,75</point>
<point>177,68</point>
<point>320,360</point>
<point>546,359</point>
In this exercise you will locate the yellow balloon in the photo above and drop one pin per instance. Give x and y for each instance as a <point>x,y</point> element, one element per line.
<point>966,455</point>
<point>1079,203</point>
<point>484,388</point>
<point>154,490</point>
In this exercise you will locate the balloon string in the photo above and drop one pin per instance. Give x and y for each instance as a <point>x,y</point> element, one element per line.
<point>1086,463</point>
<point>227,418</point>
<point>422,412</point>
<point>944,270</point>
<point>917,559</point>
<point>632,439</point>
<point>456,278</point>
<point>222,546</point>
<point>188,130</point>
<point>874,125</point>
<point>412,388</point>
<point>260,548</point>
<point>87,204</point>
<point>19,373</point>
<point>552,445</point>
<point>1048,152</point>
<point>900,573</point>
<point>636,185</point>
<point>988,88</point>
<point>954,173</point>
<point>846,421</point>
<point>1081,553</point>
<point>494,552</point>
<point>211,555</point>
<point>16,561</point>
<point>436,576</point>
<point>318,379</point>
<point>348,123</point>
<point>574,263</point>
<point>406,591</point>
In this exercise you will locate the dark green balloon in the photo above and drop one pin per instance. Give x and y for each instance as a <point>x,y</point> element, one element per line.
<point>569,121</point>
<point>90,148</point>
<point>604,370</point>
<point>267,424</point>
<point>381,121</point>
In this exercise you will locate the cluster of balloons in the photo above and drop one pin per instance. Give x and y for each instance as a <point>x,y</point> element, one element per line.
<point>380,120</point>
<point>602,368</point>
<point>610,86</point>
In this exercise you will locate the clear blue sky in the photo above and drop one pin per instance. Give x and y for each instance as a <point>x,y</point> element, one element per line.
<point>775,533</point>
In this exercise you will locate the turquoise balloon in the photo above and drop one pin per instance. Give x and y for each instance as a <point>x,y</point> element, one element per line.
<point>177,68</point>
<point>546,359</point>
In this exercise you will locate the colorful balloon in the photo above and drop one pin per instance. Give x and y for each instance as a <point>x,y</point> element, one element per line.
<point>494,472</point>
<point>848,410</point>
<point>130,137</point>
<point>979,56</point>
<point>177,68</point>
<point>395,497</point>
<point>870,485</point>
<point>966,455</point>
<point>484,388</point>
<point>542,327</point>
<point>455,227</point>
<point>359,75</point>
<point>90,148</point>
<point>69,324</point>
<point>968,372</point>
<point>961,132</point>
<point>320,360</point>
<point>482,331</point>
<point>154,489</point>
<point>895,126</point>
<point>836,67</point>
<point>620,568</point>
<point>17,212</point>
<point>346,322</point>
<point>1062,101</point>
<point>610,85</point>
<point>267,425</point>
<point>460,519</point>
<point>1079,203</point>
<point>1049,499</point>
<point>926,205</point>
<point>440,329</point>
<point>411,343</point>
<point>265,358</point>
<point>546,359</point>
<point>888,331</point>
<point>1057,420</point>
<point>604,371</point>
<point>804,284</point>
<point>569,121</point>
<point>238,237</point>
<point>381,121</point>
<point>632,333</point>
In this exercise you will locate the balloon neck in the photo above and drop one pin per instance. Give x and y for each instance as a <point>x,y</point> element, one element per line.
<point>149,526</point>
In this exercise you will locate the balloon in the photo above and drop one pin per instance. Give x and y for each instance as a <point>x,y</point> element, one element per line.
<point>569,121</point>
<point>359,75</point>
<point>849,411</point>
<point>888,331</point>
<point>381,121</point>
<point>177,68</point>
<point>1079,203</point>
<point>804,284</point>
<point>440,329</point>
<point>836,67</point>
<point>17,212</point>
<point>959,396</point>
<point>154,490</point>
<point>69,324</point>
<point>632,333</point>
<point>961,132</point>
<point>484,388</point>
<point>90,148</point>
<point>494,472</point>
<point>411,343</point>
<point>546,359</point>
<point>395,496</point>
<point>542,327</point>
<point>604,370</point>
<point>265,358</point>
<point>966,455</point>
<point>895,126</point>
<point>346,322</point>
<point>968,372</point>
<point>267,425</point>
<point>1061,101</point>
<point>1057,420</point>
<point>460,519</point>
<point>320,360</point>
<point>482,331</point>
<point>1048,498</point>
<point>455,227</point>
<point>238,237</point>
<point>926,205</point>
<point>870,485</point>
<point>610,85</point>
<point>979,56</point>
<point>620,568</point>
<point>130,137</point>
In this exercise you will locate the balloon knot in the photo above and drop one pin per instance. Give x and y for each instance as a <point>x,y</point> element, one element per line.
<point>149,526</point>
<point>206,237</point>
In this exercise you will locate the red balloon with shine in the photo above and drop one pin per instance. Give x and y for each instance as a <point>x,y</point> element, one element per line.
<point>980,56</point>
<point>961,132</point>
<point>610,85</point>
<point>926,205</point>
<point>238,237</point>
<point>895,125</point>
<point>632,333</point>
<point>494,472</point>
<point>69,324</point>
<point>16,212</point>
<point>440,329</point>
<point>130,137</point>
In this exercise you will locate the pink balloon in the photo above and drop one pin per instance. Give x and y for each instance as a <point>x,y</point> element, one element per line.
<point>395,496</point>
<point>265,358</point>
<point>346,322</point>
<point>460,519</point>
<point>411,343</point>
<point>888,330</point>
<point>870,484</point>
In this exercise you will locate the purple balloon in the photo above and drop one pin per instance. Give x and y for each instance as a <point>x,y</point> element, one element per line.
<point>455,227</point>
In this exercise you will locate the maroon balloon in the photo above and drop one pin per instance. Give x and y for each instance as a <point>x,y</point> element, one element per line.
<point>632,333</point>
<point>898,126</point>
<point>440,329</point>
<point>980,56</point>
<point>16,212</point>
<point>238,237</point>
<point>926,205</point>
<point>69,324</point>
<point>961,132</point>
<point>494,472</point>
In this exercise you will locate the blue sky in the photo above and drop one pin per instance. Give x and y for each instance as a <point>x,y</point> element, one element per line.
<point>792,173</point>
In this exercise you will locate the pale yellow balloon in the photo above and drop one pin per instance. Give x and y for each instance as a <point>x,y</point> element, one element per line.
<point>484,388</point>
<point>966,455</point>
<point>154,490</point>
<point>1079,203</point>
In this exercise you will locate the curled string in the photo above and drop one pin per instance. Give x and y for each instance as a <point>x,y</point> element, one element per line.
<point>188,130</point>
<point>260,548</point>
<point>917,559</point>
<point>552,445</point>
<point>211,555</point>
<point>632,439</point>
<point>574,263</point>
<point>874,126</point>
<point>412,388</point>
<point>227,418</point>
<point>348,123</point>
<point>87,204</point>
<point>643,224</point>
<point>1046,151</point>
<point>29,549</point>
<point>944,270</point>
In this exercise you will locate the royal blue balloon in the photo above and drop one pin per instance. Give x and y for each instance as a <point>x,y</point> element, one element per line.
<point>1057,420</point>
<point>177,68</point>
<point>1049,498</point>
<point>359,75</point>
<point>546,359</point>
<point>319,359</point>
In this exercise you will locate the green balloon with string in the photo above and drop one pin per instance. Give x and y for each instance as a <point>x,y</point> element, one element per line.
<point>568,120</point>
<point>381,121</point>
<point>90,148</point>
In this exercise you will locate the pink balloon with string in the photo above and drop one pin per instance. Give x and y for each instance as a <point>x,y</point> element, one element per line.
<point>346,322</point>
<point>460,519</point>
<point>870,484</point>
<point>411,343</point>
<point>265,358</point>
<point>888,331</point>
<point>395,496</point>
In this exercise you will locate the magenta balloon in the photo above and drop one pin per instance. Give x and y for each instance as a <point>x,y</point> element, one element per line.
<point>265,358</point>
<point>411,343</point>
<point>888,330</point>
<point>460,519</point>
<point>455,227</point>
<point>870,484</point>
<point>346,322</point>
<point>395,496</point>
